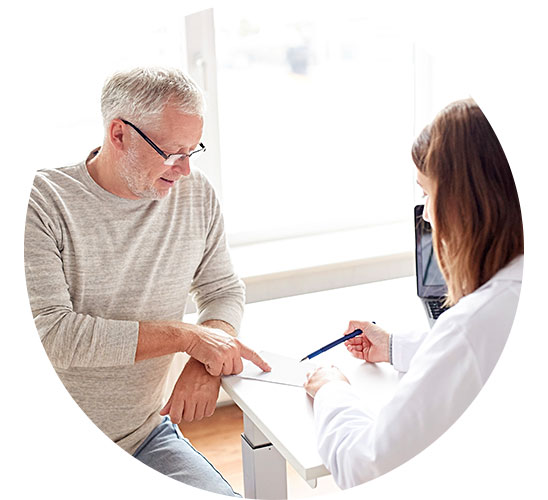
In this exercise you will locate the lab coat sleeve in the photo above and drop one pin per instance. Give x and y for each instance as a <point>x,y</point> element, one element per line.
<point>404,347</point>
<point>344,434</point>
<point>357,445</point>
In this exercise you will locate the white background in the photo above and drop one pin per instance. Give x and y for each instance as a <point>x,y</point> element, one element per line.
<point>498,447</point>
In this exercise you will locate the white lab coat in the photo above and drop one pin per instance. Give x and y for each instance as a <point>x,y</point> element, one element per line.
<point>445,368</point>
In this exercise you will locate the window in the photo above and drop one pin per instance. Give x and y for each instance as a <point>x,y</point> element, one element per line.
<point>311,115</point>
<point>312,111</point>
<point>315,111</point>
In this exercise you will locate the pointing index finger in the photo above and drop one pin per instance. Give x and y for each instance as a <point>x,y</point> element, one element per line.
<point>252,356</point>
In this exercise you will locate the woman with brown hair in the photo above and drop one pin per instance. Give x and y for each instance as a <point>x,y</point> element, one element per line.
<point>472,204</point>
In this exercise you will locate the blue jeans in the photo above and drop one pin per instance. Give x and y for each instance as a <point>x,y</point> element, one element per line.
<point>168,452</point>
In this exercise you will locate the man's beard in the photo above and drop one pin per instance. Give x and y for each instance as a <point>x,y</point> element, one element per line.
<point>136,180</point>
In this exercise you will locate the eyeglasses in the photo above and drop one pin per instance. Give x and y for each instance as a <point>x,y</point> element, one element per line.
<point>169,159</point>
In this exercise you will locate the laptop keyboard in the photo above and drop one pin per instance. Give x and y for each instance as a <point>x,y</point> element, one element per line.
<point>436,308</point>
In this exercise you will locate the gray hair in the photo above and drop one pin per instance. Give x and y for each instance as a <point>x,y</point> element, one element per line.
<point>141,94</point>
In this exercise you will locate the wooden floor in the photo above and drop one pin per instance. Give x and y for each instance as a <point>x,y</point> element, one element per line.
<point>218,438</point>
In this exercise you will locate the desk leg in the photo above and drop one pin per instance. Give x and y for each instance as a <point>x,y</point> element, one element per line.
<point>265,474</point>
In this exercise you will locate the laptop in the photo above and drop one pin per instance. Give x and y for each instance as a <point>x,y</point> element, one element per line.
<point>431,286</point>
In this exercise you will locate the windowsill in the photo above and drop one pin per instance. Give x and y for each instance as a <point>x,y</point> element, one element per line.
<point>309,264</point>
<point>313,263</point>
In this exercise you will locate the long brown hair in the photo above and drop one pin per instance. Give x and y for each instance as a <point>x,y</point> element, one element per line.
<point>475,206</point>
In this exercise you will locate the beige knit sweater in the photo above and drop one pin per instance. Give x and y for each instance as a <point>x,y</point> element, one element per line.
<point>97,264</point>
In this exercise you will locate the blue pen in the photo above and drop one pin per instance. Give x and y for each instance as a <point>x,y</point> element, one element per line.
<point>355,333</point>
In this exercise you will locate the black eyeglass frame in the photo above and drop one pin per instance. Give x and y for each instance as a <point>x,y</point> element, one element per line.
<point>164,155</point>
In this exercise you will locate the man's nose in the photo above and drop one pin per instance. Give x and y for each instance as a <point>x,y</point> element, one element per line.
<point>182,166</point>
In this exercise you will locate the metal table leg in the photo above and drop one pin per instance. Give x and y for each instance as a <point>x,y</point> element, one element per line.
<point>265,474</point>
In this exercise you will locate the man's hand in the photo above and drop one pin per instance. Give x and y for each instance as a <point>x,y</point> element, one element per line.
<point>221,353</point>
<point>194,395</point>
<point>322,376</point>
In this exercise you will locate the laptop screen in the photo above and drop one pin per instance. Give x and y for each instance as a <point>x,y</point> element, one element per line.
<point>430,282</point>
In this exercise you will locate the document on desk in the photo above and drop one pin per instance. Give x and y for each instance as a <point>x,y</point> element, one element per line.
<point>285,370</point>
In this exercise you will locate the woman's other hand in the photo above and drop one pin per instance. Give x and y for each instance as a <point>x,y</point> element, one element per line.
<point>320,377</point>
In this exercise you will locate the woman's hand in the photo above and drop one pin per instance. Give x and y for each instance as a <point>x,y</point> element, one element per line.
<point>372,345</point>
<point>322,376</point>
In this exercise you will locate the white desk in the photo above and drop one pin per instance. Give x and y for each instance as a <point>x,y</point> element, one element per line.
<point>278,419</point>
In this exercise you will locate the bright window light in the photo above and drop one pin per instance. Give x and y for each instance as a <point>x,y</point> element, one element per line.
<point>316,115</point>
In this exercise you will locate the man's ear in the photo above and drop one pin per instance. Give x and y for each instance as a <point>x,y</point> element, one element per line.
<point>117,135</point>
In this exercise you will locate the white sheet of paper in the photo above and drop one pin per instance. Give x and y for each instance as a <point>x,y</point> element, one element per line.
<point>287,371</point>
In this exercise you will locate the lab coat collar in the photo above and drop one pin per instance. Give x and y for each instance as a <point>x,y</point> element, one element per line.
<point>513,271</point>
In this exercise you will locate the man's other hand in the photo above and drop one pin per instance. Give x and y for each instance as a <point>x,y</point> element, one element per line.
<point>194,395</point>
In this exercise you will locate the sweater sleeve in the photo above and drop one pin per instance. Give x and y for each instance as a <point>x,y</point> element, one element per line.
<point>216,289</point>
<point>71,339</point>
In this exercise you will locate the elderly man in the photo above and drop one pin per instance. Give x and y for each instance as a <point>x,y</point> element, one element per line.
<point>113,246</point>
